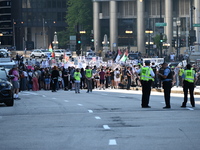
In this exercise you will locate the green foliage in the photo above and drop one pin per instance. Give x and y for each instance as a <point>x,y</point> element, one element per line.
<point>79,12</point>
<point>157,40</point>
<point>63,37</point>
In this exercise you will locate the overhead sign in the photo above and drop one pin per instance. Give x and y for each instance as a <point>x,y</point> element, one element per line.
<point>161,24</point>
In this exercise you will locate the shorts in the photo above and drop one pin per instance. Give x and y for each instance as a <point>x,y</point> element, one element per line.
<point>47,80</point>
<point>102,81</point>
<point>15,84</point>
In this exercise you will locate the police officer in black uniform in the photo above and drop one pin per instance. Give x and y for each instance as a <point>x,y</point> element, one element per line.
<point>166,78</point>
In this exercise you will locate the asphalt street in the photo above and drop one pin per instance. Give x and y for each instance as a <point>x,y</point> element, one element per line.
<point>101,120</point>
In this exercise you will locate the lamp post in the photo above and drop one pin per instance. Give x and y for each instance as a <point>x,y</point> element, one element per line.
<point>1,34</point>
<point>129,32</point>
<point>149,32</point>
<point>83,32</point>
<point>178,24</point>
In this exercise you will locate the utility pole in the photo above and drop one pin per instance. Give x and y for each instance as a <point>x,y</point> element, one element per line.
<point>161,37</point>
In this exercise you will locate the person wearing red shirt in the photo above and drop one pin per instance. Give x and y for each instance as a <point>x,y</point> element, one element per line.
<point>102,79</point>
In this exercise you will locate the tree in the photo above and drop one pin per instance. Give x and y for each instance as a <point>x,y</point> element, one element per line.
<point>79,12</point>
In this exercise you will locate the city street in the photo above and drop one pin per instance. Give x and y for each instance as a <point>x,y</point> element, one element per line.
<point>101,120</point>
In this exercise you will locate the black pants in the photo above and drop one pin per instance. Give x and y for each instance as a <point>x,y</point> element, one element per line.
<point>129,83</point>
<point>167,85</point>
<point>146,91</point>
<point>54,84</point>
<point>66,83</point>
<point>89,85</point>
<point>187,85</point>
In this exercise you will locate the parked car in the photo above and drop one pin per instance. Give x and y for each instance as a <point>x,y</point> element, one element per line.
<point>59,52</point>
<point>40,53</point>
<point>133,56</point>
<point>6,89</point>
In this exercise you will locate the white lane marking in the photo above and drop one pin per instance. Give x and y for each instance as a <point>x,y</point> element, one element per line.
<point>1,117</point>
<point>54,98</point>
<point>162,102</point>
<point>106,127</point>
<point>66,101</point>
<point>90,111</point>
<point>31,93</point>
<point>190,108</point>
<point>43,95</point>
<point>112,142</point>
<point>97,117</point>
<point>104,94</point>
<point>80,104</point>
<point>24,94</point>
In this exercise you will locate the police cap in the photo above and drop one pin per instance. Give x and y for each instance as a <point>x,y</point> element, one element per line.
<point>147,61</point>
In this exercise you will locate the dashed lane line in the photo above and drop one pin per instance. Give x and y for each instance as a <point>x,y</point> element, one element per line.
<point>90,111</point>
<point>190,108</point>
<point>43,95</point>
<point>98,118</point>
<point>106,127</point>
<point>66,101</point>
<point>80,104</point>
<point>112,142</point>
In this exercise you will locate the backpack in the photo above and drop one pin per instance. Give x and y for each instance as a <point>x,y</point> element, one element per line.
<point>117,75</point>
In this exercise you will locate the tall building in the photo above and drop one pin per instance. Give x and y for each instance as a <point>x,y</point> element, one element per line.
<point>35,21</point>
<point>5,24</point>
<point>115,17</point>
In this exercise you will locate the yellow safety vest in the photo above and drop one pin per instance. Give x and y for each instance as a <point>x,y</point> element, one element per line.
<point>181,71</point>
<point>88,73</point>
<point>145,74</point>
<point>189,75</point>
<point>77,76</point>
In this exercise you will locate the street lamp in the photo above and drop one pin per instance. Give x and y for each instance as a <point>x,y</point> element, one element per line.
<point>83,32</point>
<point>129,32</point>
<point>149,32</point>
<point>1,34</point>
<point>178,24</point>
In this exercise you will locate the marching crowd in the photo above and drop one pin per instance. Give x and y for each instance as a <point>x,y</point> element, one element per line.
<point>149,76</point>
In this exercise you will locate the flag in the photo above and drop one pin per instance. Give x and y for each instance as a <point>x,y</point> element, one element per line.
<point>118,56</point>
<point>125,56</point>
<point>50,48</point>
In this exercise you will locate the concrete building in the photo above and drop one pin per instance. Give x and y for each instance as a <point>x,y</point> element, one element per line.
<point>35,21</point>
<point>115,17</point>
<point>5,24</point>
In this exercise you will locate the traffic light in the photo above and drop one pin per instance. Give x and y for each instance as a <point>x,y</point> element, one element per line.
<point>173,42</point>
<point>78,44</point>
<point>78,38</point>
<point>182,42</point>
<point>191,40</point>
<point>92,38</point>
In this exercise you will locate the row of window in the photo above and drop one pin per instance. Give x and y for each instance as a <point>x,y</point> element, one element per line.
<point>152,7</point>
<point>44,3</point>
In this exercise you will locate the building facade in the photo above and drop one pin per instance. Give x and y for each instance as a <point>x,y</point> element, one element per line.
<point>5,24</point>
<point>35,22</point>
<point>115,17</point>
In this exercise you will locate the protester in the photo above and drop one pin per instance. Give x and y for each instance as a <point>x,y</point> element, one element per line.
<point>15,82</point>
<point>54,78</point>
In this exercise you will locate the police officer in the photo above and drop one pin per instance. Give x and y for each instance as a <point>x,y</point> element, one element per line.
<point>146,77</point>
<point>189,79</point>
<point>88,75</point>
<point>166,78</point>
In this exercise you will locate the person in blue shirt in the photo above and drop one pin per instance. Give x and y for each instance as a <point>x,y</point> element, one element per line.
<point>166,78</point>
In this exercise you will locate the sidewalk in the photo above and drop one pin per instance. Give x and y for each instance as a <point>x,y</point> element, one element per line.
<point>173,90</point>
